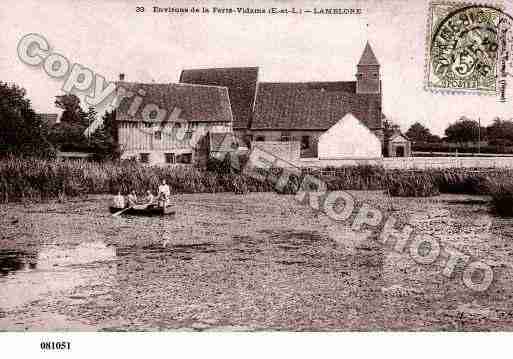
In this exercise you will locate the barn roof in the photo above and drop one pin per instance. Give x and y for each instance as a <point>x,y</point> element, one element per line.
<point>312,106</point>
<point>196,103</point>
<point>241,83</point>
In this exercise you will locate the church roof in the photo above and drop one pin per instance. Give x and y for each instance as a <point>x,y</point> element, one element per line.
<point>196,103</point>
<point>368,57</point>
<point>241,83</point>
<point>307,106</point>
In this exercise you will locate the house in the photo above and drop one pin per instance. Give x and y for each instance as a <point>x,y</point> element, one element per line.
<point>303,111</point>
<point>163,123</point>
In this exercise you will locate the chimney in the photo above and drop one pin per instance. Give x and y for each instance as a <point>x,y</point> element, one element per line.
<point>121,77</point>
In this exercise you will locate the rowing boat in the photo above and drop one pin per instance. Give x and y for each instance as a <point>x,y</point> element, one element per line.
<point>144,210</point>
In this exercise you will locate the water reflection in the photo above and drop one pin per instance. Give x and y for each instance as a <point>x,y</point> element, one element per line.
<point>27,277</point>
<point>14,260</point>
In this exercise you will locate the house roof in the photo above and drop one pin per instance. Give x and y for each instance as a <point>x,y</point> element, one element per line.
<point>312,106</point>
<point>368,57</point>
<point>196,103</point>
<point>241,83</point>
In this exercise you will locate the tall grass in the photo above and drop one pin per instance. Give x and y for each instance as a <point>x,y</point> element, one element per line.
<point>502,198</point>
<point>36,179</point>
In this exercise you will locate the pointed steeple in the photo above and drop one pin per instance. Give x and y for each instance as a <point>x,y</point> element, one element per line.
<point>367,72</point>
<point>368,57</point>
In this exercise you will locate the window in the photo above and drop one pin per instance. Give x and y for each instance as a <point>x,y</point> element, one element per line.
<point>260,138</point>
<point>144,157</point>
<point>158,135</point>
<point>188,135</point>
<point>285,137</point>
<point>170,157</point>
<point>177,125</point>
<point>184,158</point>
<point>305,142</point>
<point>148,124</point>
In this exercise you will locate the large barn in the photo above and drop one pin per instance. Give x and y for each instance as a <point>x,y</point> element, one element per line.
<point>330,120</point>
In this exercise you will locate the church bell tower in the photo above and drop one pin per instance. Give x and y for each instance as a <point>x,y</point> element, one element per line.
<point>367,76</point>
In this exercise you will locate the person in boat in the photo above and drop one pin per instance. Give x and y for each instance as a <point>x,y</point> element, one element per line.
<point>163,194</point>
<point>132,199</point>
<point>118,201</point>
<point>149,199</point>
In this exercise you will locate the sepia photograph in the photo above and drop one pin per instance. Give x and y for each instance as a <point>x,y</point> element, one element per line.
<point>255,166</point>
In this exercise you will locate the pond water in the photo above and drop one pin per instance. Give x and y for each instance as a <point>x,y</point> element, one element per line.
<point>252,262</point>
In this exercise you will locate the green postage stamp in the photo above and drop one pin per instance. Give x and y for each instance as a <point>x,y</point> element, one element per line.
<point>469,49</point>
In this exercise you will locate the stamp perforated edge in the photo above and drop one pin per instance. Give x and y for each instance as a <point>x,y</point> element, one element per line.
<point>451,91</point>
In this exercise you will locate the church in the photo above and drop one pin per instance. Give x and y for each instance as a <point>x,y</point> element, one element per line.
<point>334,119</point>
<point>324,120</point>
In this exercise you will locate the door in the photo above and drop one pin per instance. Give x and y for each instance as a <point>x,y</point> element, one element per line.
<point>399,151</point>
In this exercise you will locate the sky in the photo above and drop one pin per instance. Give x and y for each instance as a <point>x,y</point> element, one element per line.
<point>110,37</point>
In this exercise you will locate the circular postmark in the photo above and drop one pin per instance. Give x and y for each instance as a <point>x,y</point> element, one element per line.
<point>466,45</point>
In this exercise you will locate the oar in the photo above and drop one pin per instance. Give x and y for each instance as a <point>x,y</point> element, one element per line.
<point>118,213</point>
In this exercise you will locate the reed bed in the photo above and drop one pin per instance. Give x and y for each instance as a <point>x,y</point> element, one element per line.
<point>36,179</point>
<point>502,197</point>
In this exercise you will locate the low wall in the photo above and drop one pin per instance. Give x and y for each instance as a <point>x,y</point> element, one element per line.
<point>413,162</point>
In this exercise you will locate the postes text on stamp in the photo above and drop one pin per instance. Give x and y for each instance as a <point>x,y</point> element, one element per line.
<point>465,46</point>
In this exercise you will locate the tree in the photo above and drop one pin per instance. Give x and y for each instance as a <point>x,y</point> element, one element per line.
<point>104,140</point>
<point>418,133</point>
<point>72,112</point>
<point>387,128</point>
<point>500,131</point>
<point>21,131</point>
<point>465,130</point>
<point>68,134</point>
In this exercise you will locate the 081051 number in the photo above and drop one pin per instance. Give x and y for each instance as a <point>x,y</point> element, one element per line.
<point>55,345</point>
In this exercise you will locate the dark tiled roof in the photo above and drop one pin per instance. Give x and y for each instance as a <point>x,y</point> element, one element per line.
<point>307,105</point>
<point>197,103</point>
<point>241,83</point>
<point>368,57</point>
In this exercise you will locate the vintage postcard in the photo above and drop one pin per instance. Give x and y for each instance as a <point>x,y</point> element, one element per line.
<point>251,166</point>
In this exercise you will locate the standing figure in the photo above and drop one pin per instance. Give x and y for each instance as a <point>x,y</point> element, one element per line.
<point>163,194</point>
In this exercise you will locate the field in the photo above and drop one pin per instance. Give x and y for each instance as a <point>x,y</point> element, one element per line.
<point>258,261</point>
